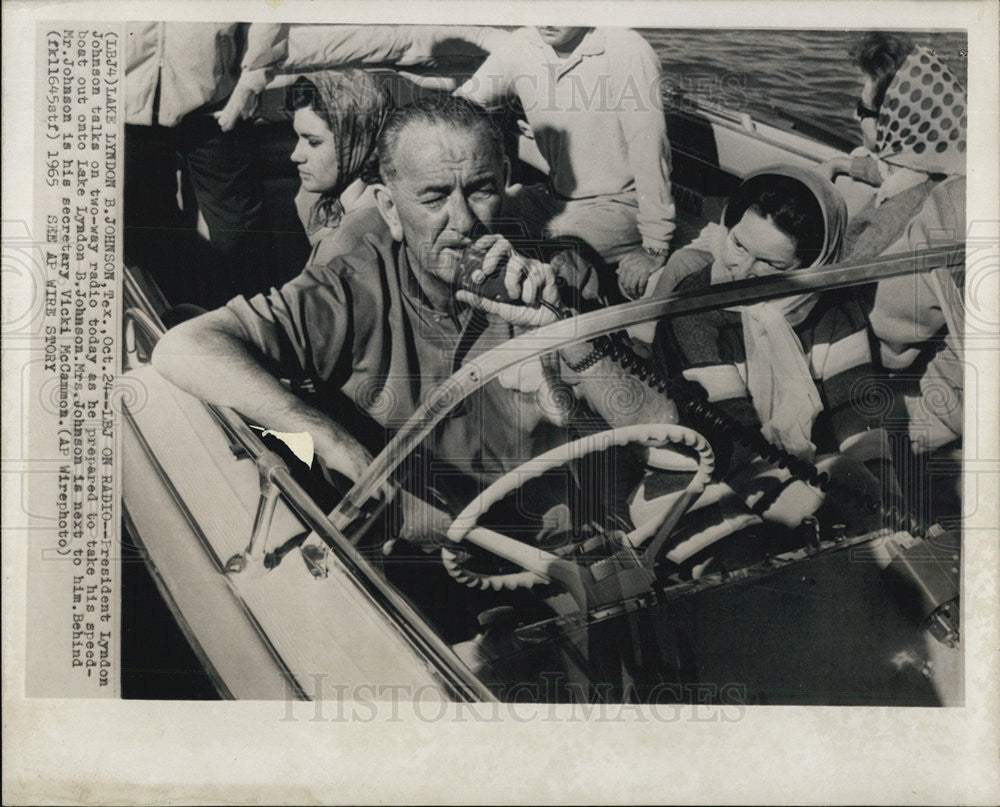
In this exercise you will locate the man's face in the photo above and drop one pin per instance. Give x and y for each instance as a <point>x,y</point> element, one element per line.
<point>560,37</point>
<point>446,192</point>
<point>315,152</point>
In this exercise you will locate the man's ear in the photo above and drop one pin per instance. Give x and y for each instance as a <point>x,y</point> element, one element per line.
<point>387,208</point>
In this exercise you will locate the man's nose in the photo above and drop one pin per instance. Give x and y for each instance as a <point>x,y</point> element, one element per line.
<point>461,219</point>
<point>296,155</point>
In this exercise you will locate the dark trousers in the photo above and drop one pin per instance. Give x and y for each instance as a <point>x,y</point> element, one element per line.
<point>220,176</point>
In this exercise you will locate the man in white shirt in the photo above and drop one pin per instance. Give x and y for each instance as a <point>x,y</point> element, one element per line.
<point>593,99</point>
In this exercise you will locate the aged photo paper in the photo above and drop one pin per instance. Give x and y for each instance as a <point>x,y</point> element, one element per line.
<point>184,623</point>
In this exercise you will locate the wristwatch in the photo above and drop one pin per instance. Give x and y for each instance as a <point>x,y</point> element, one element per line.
<point>655,252</point>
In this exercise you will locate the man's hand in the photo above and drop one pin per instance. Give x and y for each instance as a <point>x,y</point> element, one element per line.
<point>424,525</point>
<point>242,105</point>
<point>634,271</point>
<point>338,450</point>
<point>527,280</point>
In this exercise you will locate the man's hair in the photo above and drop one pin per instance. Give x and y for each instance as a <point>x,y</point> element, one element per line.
<point>789,205</point>
<point>441,110</point>
<point>879,55</point>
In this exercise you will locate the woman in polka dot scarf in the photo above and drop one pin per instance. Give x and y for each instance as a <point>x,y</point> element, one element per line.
<point>913,116</point>
<point>922,120</point>
<point>913,119</point>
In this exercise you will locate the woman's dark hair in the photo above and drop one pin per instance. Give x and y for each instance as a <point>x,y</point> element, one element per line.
<point>790,206</point>
<point>879,55</point>
<point>354,107</point>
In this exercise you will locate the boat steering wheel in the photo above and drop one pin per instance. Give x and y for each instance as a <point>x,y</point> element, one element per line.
<point>542,566</point>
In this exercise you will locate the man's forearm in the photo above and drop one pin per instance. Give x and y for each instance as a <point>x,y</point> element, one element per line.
<point>206,357</point>
<point>649,157</point>
<point>645,131</point>
<point>312,47</point>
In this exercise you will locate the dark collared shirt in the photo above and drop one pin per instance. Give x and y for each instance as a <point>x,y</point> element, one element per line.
<point>360,325</point>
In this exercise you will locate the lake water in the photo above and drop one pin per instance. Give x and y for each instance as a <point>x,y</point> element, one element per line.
<point>806,73</point>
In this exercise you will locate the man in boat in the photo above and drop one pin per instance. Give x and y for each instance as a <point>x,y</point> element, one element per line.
<point>593,99</point>
<point>379,324</point>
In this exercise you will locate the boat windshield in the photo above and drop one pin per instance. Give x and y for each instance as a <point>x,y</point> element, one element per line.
<point>583,469</point>
<point>579,510</point>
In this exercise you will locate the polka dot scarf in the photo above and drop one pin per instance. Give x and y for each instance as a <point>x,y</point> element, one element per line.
<point>922,123</point>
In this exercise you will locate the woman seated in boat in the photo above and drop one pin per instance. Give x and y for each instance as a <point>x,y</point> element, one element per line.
<point>913,117</point>
<point>338,115</point>
<point>792,368</point>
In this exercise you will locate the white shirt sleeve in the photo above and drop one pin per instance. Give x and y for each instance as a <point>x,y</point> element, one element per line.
<point>641,117</point>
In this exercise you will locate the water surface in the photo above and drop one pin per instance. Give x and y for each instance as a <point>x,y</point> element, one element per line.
<point>805,73</point>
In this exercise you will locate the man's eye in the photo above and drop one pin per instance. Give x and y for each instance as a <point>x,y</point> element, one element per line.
<point>433,201</point>
<point>483,194</point>
<point>313,143</point>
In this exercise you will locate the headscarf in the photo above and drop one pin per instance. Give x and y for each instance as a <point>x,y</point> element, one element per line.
<point>922,122</point>
<point>779,380</point>
<point>354,107</point>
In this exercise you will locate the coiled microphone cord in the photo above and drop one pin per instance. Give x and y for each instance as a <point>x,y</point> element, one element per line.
<point>617,347</point>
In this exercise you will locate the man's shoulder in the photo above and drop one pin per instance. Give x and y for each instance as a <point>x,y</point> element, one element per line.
<point>362,238</point>
<point>360,231</point>
<point>520,45</point>
<point>352,265</point>
<point>619,41</point>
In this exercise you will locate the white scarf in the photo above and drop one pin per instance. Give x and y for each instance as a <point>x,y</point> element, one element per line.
<point>779,380</point>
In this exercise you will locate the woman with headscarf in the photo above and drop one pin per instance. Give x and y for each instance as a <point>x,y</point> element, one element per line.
<point>913,116</point>
<point>779,219</point>
<point>338,115</point>
<point>793,367</point>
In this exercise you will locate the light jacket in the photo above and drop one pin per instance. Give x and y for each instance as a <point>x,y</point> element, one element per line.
<point>197,64</point>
